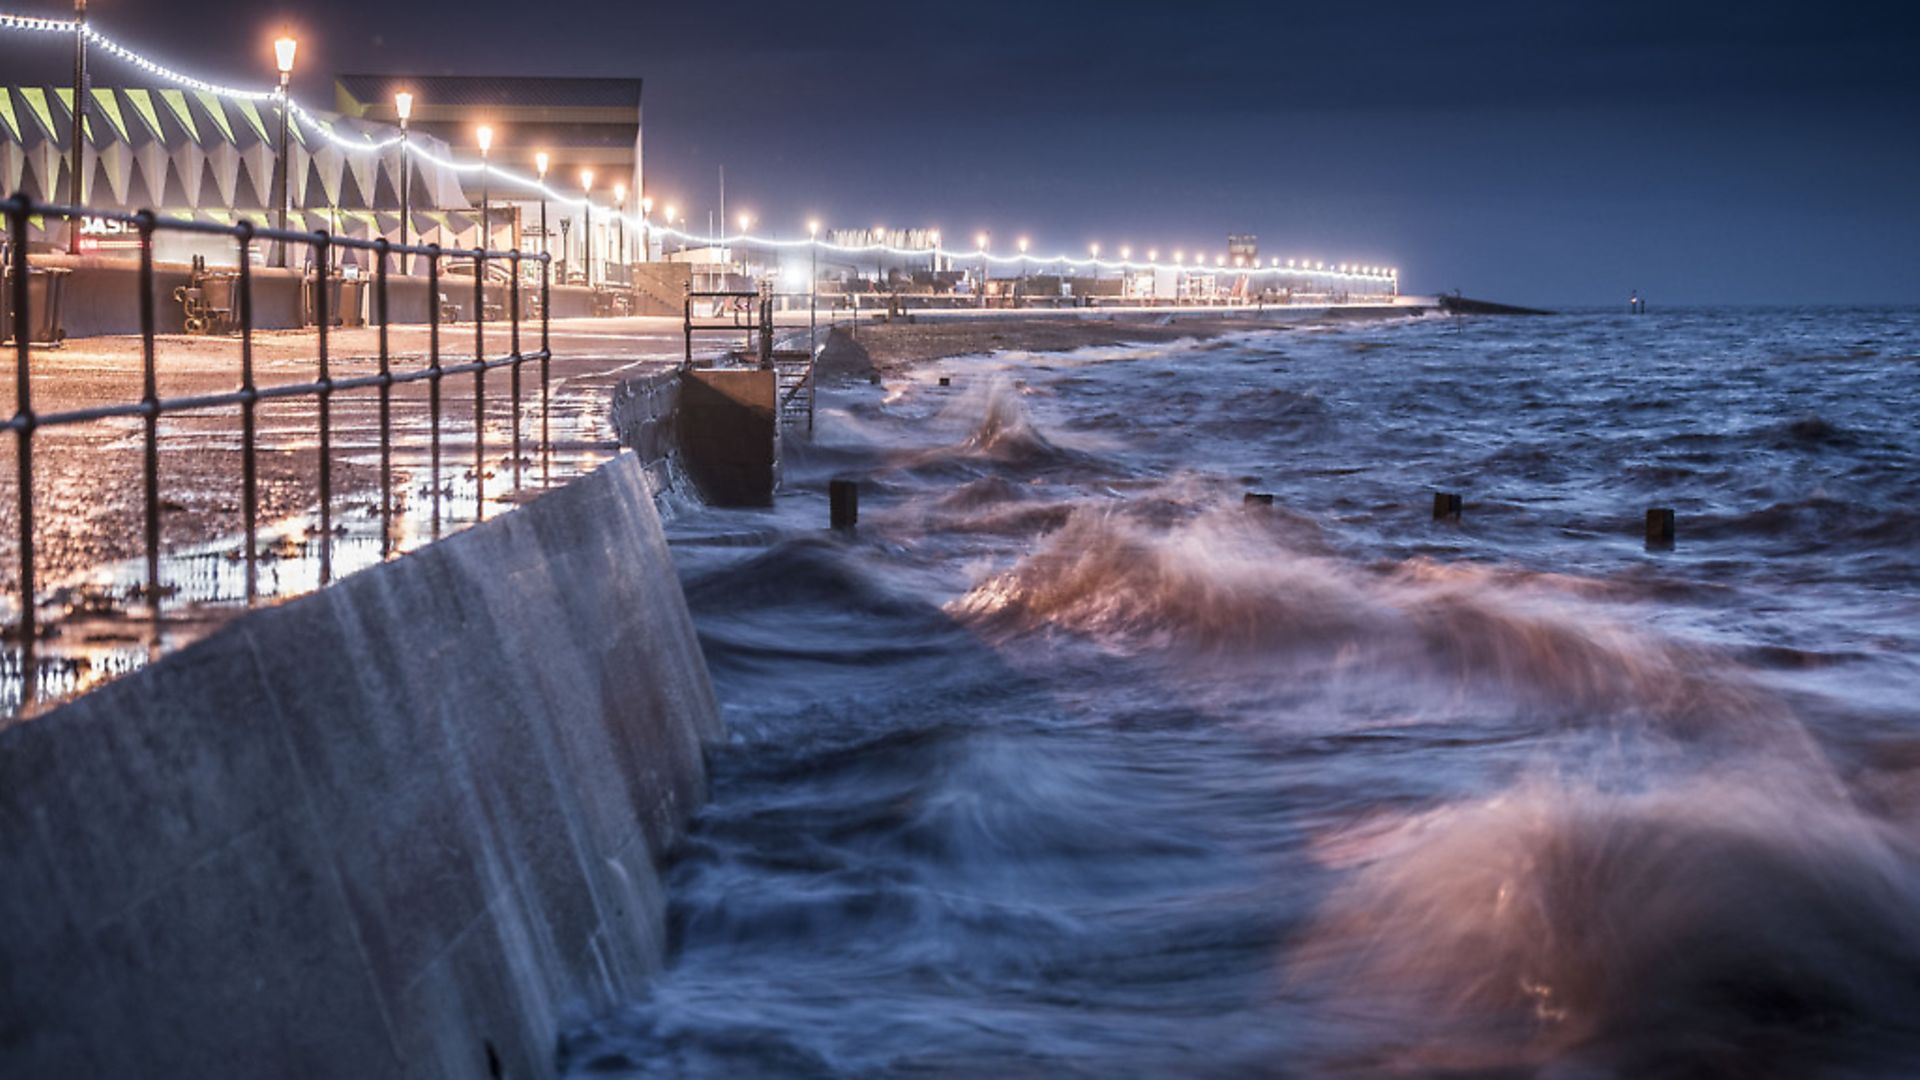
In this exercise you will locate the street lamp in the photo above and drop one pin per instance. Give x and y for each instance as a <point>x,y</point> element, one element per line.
<point>813,282</point>
<point>403,108</point>
<point>746,222</point>
<point>620,224</point>
<point>484,135</point>
<point>934,236</point>
<point>540,163</point>
<point>1022,245</point>
<point>646,228</point>
<point>586,233</point>
<point>986,268</point>
<point>284,49</point>
<point>77,163</point>
<point>669,214</point>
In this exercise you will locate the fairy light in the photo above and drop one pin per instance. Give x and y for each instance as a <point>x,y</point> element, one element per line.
<point>363,142</point>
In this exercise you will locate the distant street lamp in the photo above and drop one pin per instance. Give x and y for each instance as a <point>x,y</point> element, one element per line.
<point>986,271</point>
<point>934,236</point>
<point>540,163</point>
<point>813,283</point>
<point>284,49</point>
<point>75,166</point>
<point>484,135</point>
<point>646,228</point>
<point>746,222</point>
<point>403,107</point>
<point>586,233</point>
<point>620,224</point>
<point>669,214</point>
<point>1023,266</point>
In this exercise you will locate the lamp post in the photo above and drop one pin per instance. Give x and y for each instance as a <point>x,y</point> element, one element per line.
<point>813,283</point>
<point>586,233</point>
<point>934,237</point>
<point>620,225</point>
<point>1022,244</point>
<point>540,163</point>
<point>1126,267</point>
<point>403,107</point>
<point>284,49</point>
<point>746,222</point>
<point>77,187</point>
<point>646,228</point>
<point>1094,253</point>
<point>484,136</point>
<point>986,270</point>
<point>670,214</point>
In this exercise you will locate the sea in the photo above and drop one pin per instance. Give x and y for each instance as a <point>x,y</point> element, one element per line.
<point>1072,761</point>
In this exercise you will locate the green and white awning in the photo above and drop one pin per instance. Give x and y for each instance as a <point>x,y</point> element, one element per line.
<point>180,150</point>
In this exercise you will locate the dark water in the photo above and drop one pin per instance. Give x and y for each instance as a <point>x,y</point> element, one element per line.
<point>1067,764</point>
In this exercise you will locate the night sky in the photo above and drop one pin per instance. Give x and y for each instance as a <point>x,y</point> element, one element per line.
<point>1553,153</point>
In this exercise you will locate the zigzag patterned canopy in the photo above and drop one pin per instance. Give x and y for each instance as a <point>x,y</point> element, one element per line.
<point>186,150</point>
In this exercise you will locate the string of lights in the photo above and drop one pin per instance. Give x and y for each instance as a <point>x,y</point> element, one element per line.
<point>644,222</point>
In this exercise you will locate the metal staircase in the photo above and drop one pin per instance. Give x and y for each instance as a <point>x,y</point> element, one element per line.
<point>793,376</point>
<point>750,314</point>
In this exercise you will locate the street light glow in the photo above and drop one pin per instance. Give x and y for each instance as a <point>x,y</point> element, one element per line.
<point>403,105</point>
<point>586,180</point>
<point>484,136</point>
<point>540,163</point>
<point>284,49</point>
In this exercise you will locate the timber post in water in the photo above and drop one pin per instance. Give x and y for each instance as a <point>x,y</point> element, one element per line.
<point>1660,528</point>
<point>843,503</point>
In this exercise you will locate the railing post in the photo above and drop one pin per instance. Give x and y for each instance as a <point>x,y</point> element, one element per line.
<point>150,411</point>
<point>249,463</point>
<point>323,319</point>
<point>513,303</point>
<point>480,381</point>
<point>546,357</point>
<point>19,209</point>
<point>380,250</point>
<point>433,377</point>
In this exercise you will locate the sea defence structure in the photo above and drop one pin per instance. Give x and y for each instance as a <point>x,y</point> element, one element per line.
<point>404,826</point>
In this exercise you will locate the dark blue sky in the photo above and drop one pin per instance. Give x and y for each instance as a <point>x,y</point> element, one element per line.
<point>1557,153</point>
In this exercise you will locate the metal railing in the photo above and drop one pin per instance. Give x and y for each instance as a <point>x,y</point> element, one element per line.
<point>248,396</point>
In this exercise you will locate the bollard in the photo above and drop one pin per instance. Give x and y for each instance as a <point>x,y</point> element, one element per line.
<point>945,381</point>
<point>1660,528</point>
<point>843,500</point>
<point>1446,506</point>
<point>1257,498</point>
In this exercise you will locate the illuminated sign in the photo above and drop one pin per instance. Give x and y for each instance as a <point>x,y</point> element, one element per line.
<point>106,234</point>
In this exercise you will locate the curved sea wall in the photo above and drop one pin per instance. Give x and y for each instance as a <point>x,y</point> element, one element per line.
<point>405,826</point>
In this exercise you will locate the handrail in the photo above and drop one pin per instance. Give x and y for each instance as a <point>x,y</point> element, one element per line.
<point>26,422</point>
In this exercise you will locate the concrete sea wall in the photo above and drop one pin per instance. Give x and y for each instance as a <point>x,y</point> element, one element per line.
<point>405,826</point>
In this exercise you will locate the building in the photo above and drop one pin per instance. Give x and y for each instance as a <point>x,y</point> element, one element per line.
<point>580,123</point>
